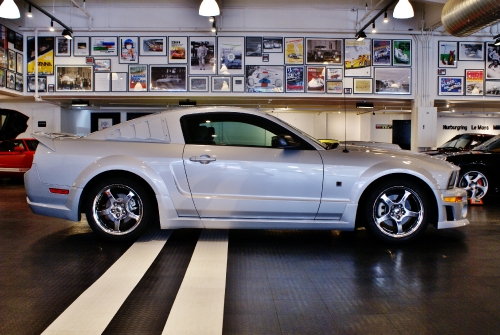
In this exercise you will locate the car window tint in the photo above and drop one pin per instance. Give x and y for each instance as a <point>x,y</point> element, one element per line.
<point>7,146</point>
<point>32,144</point>
<point>233,129</point>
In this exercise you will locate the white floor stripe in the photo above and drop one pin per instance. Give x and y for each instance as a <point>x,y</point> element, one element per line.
<point>199,305</point>
<point>94,309</point>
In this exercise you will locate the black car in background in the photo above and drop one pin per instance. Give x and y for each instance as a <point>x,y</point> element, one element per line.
<point>458,143</point>
<point>479,168</point>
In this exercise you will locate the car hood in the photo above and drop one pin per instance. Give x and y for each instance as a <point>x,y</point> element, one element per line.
<point>13,123</point>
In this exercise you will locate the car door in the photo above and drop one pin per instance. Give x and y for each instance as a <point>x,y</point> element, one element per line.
<point>12,155</point>
<point>233,170</point>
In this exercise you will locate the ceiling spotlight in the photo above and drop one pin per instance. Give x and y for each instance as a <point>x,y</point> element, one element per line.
<point>29,14</point>
<point>209,8</point>
<point>211,19</point>
<point>497,41</point>
<point>403,10</point>
<point>9,10</point>
<point>67,33</point>
<point>80,103</point>
<point>373,28</point>
<point>386,19</point>
<point>51,26</point>
<point>214,27</point>
<point>364,104</point>
<point>361,36</point>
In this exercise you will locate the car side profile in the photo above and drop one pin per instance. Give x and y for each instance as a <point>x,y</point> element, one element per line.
<point>226,167</point>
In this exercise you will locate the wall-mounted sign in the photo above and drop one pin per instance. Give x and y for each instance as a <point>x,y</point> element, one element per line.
<point>42,123</point>
<point>383,126</point>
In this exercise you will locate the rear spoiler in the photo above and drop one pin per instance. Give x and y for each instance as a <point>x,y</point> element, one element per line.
<point>47,139</point>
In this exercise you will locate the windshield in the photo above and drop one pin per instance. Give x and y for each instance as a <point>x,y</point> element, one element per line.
<point>323,145</point>
<point>491,144</point>
<point>459,141</point>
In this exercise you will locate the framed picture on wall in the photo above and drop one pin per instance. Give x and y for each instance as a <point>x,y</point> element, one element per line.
<point>264,79</point>
<point>74,78</point>
<point>11,80</point>
<point>334,87</point>
<point>324,51</point>
<point>42,84</point>
<point>102,65</point>
<point>401,52</point>
<point>137,78</point>
<point>382,54</point>
<point>470,51</point>
<point>50,88</point>
<point>103,46</point>
<point>451,85</point>
<point>492,88</point>
<point>19,62</point>
<point>230,55</point>
<point>19,82</point>
<point>198,84</point>
<point>81,46</point>
<point>102,82</point>
<point>128,50</point>
<point>2,77</point>
<point>202,55</point>
<point>99,121</point>
<point>63,47</point>
<point>177,50</point>
<point>474,82</point>
<point>253,46</point>
<point>492,61</point>
<point>272,44</point>
<point>167,78</point>
<point>238,84</point>
<point>45,61</point>
<point>334,73</point>
<point>153,46</point>
<point>221,84</point>
<point>315,79</point>
<point>11,60</point>
<point>357,57</point>
<point>363,86</point>
<point>347,90</point>
<point>119,82</point>
<point>295,79</point>
<point>391,80</point>
<point>447,54</point>
<point>294,50</point>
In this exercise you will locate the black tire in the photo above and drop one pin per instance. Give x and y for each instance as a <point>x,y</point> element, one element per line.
<point>475,182</point>
<point>119,209</point>
<point>397,211</point>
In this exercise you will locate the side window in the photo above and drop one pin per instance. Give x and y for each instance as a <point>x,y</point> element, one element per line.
<point>232,129</point>
<point>8,146</point>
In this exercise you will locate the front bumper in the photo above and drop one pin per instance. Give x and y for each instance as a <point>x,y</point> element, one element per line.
<point>453,213</point>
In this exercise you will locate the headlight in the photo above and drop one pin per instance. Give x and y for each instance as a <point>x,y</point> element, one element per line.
<point>453,179</point>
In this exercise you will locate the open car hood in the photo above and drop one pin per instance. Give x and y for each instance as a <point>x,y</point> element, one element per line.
<point>12,124</point>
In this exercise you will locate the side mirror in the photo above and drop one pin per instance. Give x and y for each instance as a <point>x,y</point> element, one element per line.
<point>18,149</point>
<point>284,142</point>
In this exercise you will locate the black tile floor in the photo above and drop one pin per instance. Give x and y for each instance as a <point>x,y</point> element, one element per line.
<point>277,282</point>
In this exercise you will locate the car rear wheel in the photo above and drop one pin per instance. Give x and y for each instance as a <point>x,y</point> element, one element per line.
<point>475,182</point>
<point>397,213</point>
<point>119,209</point>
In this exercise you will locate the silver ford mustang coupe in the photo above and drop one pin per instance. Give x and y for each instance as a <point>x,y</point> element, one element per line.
<point>226,167</point>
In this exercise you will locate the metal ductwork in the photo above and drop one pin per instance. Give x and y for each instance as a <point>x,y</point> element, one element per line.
<point>464,17</point>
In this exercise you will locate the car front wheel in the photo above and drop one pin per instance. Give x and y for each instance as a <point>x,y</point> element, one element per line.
<point>474,182</point>
<point>118,209</point>
<point>397,213</point>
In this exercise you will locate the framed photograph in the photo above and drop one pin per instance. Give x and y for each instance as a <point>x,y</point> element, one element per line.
<point>315,79</point>
<point>177,50</point>
<point>221,84</point>
<point>45,61</point>
<point>470,51</point>
<point>295,79</point>
<point>392,80</point>
<point>168,78</point>
<point>294,50</point>
<point>103,46</point>
<point>63,47</point>
<point>103,123</point>
<point>492,88</point>
<point>74,78</point>
<point>324,50</point>
<point>12,59</point>
<point>18,42</point>
<point>253,46</point>
<point>42,84</point>
<point>89,60</point>
<point>19,82</point>
<point>401,52</point>
<point>153,46</point>
<point>357,57</point>
<point>334,73</point>
<point>348,90</point>
<point>119,82</point>
<point>137,78</point>
<point>81,46</point>
<point>11,80</point>
<point>19,62</point>
<point>363,86</point>
<point>238,84</point>
<point>474,82</point>
<point>202,55</point>
<point>230,55</point>
<point>2,77</point>
<point>382,54</point>
<point>272,44</point>
<point>102,65</point>
<point>50,88</point>
<point>128,50</point>
<point>334,87</point>
<point>447,54</point>
<point>99,121</point>
<point>265,57</point>
<point>450,85</point>
<point>102,82</point>
<point>441,72</point>
<point>198,84</point>
<point>264,79</point>
<point>492,61</point>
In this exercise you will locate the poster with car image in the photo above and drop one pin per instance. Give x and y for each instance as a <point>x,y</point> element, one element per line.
<point>272,44</point>
<point>294,50</point>
<point>382,54</point>
<point>474,82</point>
<point>230,55</point>
<point>253,46</point>
<point>42,84</point>
<point>323,51</point>
<point>492,61</point>
<point>492,88</point>
<point>401,50</point>
<point>153,46</point>
<point>357,58</point>
<point>177,50</point>
<point>316,79</point>
<point>295,79</point>
<point>470,51</point>
<point>451,85</point>
<point>168,78</point>
<point>391,80</point>
<point>264,79</point>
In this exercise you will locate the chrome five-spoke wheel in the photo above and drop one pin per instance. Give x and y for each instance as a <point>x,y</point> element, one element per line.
<point>475,183</point>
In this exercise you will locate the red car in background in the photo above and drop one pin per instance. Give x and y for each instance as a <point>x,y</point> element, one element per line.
<point>16,155</point>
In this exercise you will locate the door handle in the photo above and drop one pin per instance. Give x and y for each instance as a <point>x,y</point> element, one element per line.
<point>203,159</point>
